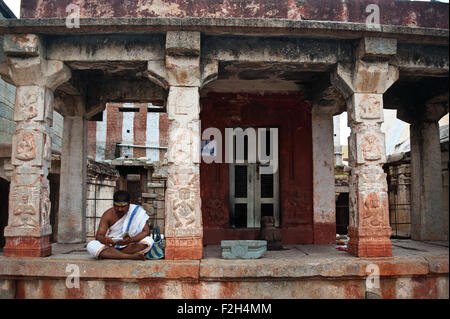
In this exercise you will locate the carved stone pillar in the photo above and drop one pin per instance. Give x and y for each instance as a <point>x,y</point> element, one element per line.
<point>183,74</point>
<point>363,85</point>
<point>28,230</point>
<point>183,227</point>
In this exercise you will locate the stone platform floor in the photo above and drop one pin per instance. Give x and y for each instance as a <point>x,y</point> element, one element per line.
<point>304,260</point>
<point>309,271</point>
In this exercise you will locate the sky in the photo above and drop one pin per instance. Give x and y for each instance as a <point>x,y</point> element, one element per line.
<point>14,5</point>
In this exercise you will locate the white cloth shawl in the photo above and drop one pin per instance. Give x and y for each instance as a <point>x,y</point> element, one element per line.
<point>119,228</point>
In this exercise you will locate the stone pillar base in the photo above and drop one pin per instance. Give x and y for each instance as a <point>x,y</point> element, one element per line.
<point>367,246</point>
<point>27,246</point>
<point>184,248</point>
<point>369,249</point>
<point>324,233</point>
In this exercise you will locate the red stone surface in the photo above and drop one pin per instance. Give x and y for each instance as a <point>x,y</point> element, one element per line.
<point>291,115</point>
<point>324,233</point>
<point>114,122</point>
<point>392,12</point>
<point>183,248</point>
<point>27,246</point>
<point>368,246</point>
<point>140,130</point>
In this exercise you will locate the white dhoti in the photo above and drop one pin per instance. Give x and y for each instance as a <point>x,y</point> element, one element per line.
<point>117,231</point>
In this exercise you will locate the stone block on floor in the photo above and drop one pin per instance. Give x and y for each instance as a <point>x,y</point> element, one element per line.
<point>243,249</point>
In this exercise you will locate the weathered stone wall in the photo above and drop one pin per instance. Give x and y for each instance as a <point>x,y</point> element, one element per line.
<point>291,114</point>
<point>407,13</point>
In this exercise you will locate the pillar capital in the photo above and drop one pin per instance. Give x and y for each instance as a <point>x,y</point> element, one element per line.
<point>25,63</point>
<point>364,77</point>
<point>431,110</point>
<point>182,65</point>
<point>71,105</point>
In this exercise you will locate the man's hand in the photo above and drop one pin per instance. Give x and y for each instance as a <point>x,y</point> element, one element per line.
<point>125,241</point>
<point>109,242</point>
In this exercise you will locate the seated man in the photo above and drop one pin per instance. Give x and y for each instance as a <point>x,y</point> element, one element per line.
<point>117,237</point>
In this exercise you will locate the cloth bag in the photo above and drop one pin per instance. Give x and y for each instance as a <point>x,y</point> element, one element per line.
<point>157,250</point>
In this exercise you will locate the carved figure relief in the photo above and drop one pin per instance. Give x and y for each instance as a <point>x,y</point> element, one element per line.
<point>180,145</point>
<point>45,207</point>
<point>26,147</point>
<point>370,107</point>
<point>296,203</point>
<point>370,147</point>
<point>47,148</point>
<point>352,209</point>
<point>373,211</point>
<point>184,200</point>
<point>184,209</point>
<point>24,214</point>
<point>216,211</point>
<point>27,105</point>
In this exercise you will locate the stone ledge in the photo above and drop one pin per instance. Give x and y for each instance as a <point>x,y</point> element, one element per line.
<point>99,269</point>
<point>301,269</point>
<point>221,269</point>
<point>222,26</point>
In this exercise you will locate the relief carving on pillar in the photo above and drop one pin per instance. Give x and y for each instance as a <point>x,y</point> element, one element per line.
<point>369,106</point>
<point>45,206</point>
<point>371,148</point>
<point>373,212</point>
<point>179,144</point>
<point>216,212</point>
<point>353,208</point>
<point>47,147</point>
<point>296,204</point>
<point>27,107</point>
<point>183,203</point>
<point>26,147</point>
<point>183,143</point>
<point>25,212</point>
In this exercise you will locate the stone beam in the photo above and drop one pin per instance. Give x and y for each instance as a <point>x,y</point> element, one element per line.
<point>35,78</point>
<point>422,60</point>
<point>103,90</point>
<point>315,52</point>
<point>115,47</point>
